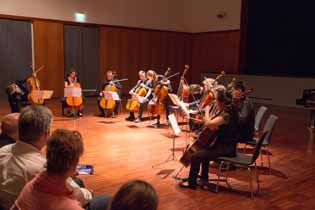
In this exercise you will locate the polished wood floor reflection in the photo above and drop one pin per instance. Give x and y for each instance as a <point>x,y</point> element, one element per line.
<point>122,151</point>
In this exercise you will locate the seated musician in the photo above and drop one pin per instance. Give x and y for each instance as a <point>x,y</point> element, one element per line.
<point>200,102</point>
<point>167,83</point>
<point>71,81</point>
<point>221,119</point>
<point>146,81</point>
<point>110,80</point>
<point>245,110</point>
<point>18,92</point>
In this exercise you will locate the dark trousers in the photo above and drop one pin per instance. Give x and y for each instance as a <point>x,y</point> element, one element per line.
<point>16,101</point>
<point>141,110</point>
<point>312,115</point>
<point>99,202</point>
<point>203,158</point>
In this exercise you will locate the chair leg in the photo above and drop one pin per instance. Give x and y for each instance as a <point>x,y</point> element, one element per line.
<point>261,158</point>
<point>219,176</point>
<point>269,162</point>
<point>257,177</point>
<point>250,182</point>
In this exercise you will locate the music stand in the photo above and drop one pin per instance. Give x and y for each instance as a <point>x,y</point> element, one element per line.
<point>176,132</point>
<point>111,95</point>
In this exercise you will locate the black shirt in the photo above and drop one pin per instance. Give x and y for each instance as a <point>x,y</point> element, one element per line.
<point>246,118</point>
<point>228,132</point>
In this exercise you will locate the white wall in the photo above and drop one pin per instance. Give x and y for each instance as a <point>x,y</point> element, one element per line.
<point>204,15</point>
<point>282,91</point>
<point>174,15</point>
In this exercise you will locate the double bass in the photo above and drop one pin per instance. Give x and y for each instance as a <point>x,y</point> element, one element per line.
<point>184,89</point>
<point>34,86</point>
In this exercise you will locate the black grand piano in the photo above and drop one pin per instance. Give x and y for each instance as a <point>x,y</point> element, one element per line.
<point>308,101</point>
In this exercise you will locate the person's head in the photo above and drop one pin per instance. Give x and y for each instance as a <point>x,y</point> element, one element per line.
<point>110,75</point>
<point>64,149</point>
<point>222,96</point>
<point>34,125</point>
<point>151,75</point>
<point>9,125</point>
<point>209,84</point>
<point>135,195</point>
<point>72,73</point>
<point>142,75</point>
<point>237,89</point>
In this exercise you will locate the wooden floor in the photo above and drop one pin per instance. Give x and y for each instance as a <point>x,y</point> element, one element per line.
<point>122,151</point>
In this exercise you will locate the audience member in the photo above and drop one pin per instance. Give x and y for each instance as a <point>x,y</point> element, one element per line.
<point>21,161</point>
<point>9,129</point>
<point>135,195</point>
<point>48,190</point>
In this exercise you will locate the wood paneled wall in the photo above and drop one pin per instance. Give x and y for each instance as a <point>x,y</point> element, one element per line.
<point>129,50</point>
<point>49,51</point>
<point>214,52</point>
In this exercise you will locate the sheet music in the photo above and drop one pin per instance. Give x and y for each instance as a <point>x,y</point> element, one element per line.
<point>111,95</point>
<point>141,99</point>
<point>42,94</point>
<point>174,124</point>
<point>72,92</point>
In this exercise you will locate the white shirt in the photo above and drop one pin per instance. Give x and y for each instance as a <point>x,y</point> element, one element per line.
<point>19,163</point>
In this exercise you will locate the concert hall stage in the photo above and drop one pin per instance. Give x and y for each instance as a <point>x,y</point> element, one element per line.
<point>121,151</point>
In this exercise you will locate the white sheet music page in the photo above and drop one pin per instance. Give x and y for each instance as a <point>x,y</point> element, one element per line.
<point>174,124</point>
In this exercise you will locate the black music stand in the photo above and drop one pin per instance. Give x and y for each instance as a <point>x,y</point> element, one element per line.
<point>176,130</point>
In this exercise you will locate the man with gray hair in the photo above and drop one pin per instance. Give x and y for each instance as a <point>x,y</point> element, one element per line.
<point>9,129</point>
<point>21,161</point>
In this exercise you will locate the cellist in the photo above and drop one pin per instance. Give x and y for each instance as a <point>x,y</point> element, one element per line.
<point>146,80</point>
<point>162,82</point>
<point>110,80</point>
<point>220,118</point>
<point>72,80</point>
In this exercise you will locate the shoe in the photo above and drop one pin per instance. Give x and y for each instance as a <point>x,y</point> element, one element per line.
<point>113,115</point>
<point>187,185</point>
<point>155,125</point>
<point>80,114</point>
<point>203,179</point>
<point>130,118</point>
<point>137,120</point>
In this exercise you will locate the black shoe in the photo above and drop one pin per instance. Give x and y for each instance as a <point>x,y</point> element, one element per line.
<point>187,185</point>
<point>130,118</point>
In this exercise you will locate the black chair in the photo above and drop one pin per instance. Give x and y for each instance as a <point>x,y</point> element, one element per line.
<point>269,126</point>
<point>243,161</point>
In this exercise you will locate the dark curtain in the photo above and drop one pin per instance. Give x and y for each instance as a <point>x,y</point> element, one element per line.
<point>15,51</point>
<point>279,38</point>
<point>82,53</point>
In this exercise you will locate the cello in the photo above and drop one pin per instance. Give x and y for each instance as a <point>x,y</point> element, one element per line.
<point>156,105</point>
<point>133,104</point>
<point>205,137</point>
<point>74,101</point>
<point>34,86</point>
<point>109,104</point>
